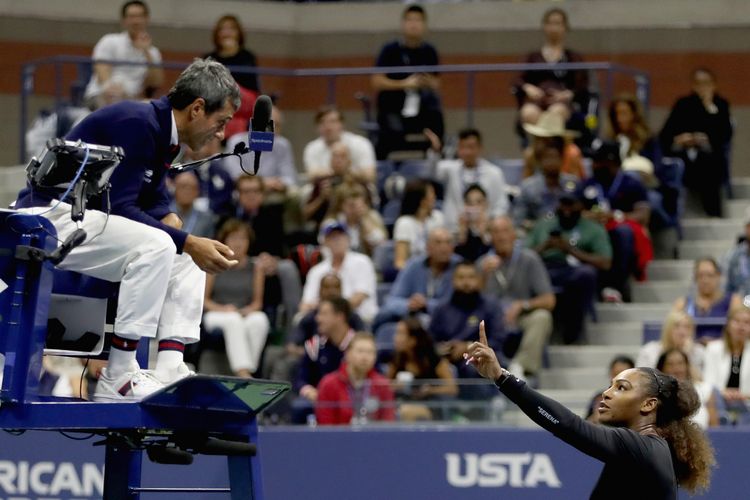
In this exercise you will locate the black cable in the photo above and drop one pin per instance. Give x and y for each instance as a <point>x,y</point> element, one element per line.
<point>242,167</point>
<point>84,438</point>
<point>83,377</point>
<point>109,208</point>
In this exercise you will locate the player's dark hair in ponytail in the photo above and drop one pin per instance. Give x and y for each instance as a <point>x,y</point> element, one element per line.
<point>692,454</point>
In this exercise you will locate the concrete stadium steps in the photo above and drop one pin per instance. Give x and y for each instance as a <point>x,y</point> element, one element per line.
<point>621,333</point>
<point>588,378</point>
<point>655,291</point>
<point>741,188</point>
<point>610,313</point>
<point>587,356</point>
<point>692,250</point>
<point>736,209</point>
<point>707,229</point>
<point>671,270</point>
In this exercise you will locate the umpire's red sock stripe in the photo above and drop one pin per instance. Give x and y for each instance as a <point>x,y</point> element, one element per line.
<point>124,344</point>
<point>171,345</point>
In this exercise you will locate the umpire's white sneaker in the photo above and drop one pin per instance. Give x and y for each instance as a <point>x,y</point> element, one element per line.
<point>130,386</point>
<point>170,376</point>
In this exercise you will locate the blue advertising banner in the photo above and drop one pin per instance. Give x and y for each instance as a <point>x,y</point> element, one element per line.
<point>355,464</point>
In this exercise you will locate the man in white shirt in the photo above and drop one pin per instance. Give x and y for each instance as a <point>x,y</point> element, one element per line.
<point>356,271</point>
<point>111,83</point>
<point>317,154</point>
<point>469,169</point>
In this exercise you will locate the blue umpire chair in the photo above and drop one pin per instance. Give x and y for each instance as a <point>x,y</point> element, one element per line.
<point>198,414</point>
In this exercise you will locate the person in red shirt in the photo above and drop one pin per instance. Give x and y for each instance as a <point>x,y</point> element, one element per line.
<point>356,392</point>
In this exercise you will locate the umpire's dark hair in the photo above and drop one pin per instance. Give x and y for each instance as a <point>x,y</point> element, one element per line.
<point>206,79</point>
<point>124,8</point>
<point>414,8</point>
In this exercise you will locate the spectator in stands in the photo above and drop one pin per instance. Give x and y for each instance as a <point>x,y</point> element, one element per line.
<point>356,393</point>
<point>408,104</point>
<point>421,375</point>
<point>620,203</point>
<point>424,282</point>
<point>276,167</point>
<point>234,301</point>
<point>709,301</point>
<point>307,327</point>
<point>455,322</point>
<point>574,251</point>
<point>356,270</point>
<point>195,220</point>
<point>317,203</point>
<point>229,50</point>
<point>547,132</point>
<point>553,89</point>
<point>111,83</point>
<point>317,156</point>
<point>365,225</point>
<point>627,126</point>
<point>724,367</point>
<point>738,268</point>
<point>676,362</point>
<point>418,218</point>
<point>281,361</point>
<point>282,276</point>
<point>473,239</point>
<point>540,193</point>
<point>618,364</point>
<point>678,332</point>
<point>517,277</point>
<point>470,168</point>
<point>699,130</point>
<point>324,351</point>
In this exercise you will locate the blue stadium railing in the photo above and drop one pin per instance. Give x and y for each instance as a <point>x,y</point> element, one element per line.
<point>609,70</point>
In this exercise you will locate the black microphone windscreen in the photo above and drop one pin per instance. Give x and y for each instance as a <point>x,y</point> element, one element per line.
<point>240,148</point>
<point>262,113</point>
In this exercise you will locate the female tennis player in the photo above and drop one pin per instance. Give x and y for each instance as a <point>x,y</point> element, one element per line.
<point>648,444</point>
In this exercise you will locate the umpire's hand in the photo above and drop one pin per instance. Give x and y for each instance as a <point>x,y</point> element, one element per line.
<point>210,255</point>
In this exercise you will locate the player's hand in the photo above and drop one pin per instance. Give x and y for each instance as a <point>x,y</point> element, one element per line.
<point>481,355</point>
<point>210,255</point>
<point>172,220</point>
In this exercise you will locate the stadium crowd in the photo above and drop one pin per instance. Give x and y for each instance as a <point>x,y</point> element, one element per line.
<point>364,275</point>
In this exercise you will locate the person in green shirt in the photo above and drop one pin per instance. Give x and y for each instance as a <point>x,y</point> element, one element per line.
<point>574,249</point>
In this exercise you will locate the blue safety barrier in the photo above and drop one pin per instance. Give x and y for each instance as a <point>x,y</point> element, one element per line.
<point>58,63</point>
<point>369,463</point>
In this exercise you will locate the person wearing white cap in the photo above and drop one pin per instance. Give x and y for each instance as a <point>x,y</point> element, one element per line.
<point>356,271</point>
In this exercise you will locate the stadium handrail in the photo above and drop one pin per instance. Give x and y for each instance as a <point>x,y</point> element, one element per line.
<point>29,69</point>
